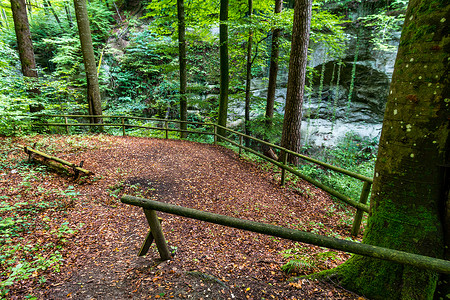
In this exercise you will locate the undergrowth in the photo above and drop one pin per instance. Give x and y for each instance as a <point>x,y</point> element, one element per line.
<point>33,229</point>
<point>302,261</point>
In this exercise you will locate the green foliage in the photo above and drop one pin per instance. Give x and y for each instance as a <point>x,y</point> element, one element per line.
<point>353,153</point>
<point>135,79</point>
<point>258,127</point>
<point>301,261</point>
<point>13,103</point>
<point>327,28</point>
<point>146,78</point>
<point>8,57</point>
<point>100,21</point>
<point>12,118</point>
<point>383,27</point>
<point>42,28</point>
<point>58,49</point>
<point>200,17</point>
<point>67,58</point>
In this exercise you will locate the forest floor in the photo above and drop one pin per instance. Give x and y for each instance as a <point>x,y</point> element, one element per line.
<point>101,237</point>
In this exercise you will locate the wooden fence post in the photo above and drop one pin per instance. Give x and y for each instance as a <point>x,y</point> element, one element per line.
<point>240,144</point>
<point>155,227</point>
<point>166,126</point>
<point>215,134</point>
<point>67,126</point>
<point>283,171</point>
<point>123,126</point>
<point>359,213</point>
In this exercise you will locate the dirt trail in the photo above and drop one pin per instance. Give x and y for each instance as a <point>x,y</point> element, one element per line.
<point>210,261</point>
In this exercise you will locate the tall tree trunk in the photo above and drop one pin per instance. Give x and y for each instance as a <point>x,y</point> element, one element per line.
<point>290,138</point>
<point>93,90</point>
<point>249,73</point>
<point>273,69</point>
<point>25,47</point>
<point>182,58</point>
<point>407,201</point>
<point>224,76</point>
<point>23,35</point>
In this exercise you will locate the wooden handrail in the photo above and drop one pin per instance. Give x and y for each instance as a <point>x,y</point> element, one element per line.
<point>318,162</point>
<point>327,189</point>
<point>420,261</point>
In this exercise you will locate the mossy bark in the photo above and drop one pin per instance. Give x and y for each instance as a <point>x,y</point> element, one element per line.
<point>23,35</point>
<point>407,200</point>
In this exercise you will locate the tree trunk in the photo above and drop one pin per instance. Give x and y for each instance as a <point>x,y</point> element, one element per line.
<point>182,58</point>
<point>24,43</point>
<point>93,90</point>
<point>25,48</point>
<point>273,69</point>
<point>224,76</point>
<point>249,74</point>
<point>407,204</point>
<point>290,138</point>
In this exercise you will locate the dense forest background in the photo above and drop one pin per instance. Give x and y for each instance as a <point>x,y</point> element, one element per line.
<point>351,55</point>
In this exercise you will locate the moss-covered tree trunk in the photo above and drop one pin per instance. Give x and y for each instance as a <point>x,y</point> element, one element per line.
<point>25,48</point>
<point>290,138</point>
<point>224,66</point>
<point>87,48</point>
<point>23,35</point>
<point>182,59</point>
<point>407,204</point>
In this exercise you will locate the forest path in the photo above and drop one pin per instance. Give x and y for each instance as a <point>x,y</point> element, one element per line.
<point>211,261</point>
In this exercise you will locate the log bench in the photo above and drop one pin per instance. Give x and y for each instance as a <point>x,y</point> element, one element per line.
<point>77,169</point>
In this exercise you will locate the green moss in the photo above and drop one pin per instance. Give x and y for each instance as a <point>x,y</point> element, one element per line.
<point>414,278</point>
<point>379,280</point>
<point>371,278</point>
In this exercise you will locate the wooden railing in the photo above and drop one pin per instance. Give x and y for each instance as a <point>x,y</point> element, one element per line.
<point>124,125</point>
<point>360,205</point>
<point>150,206</point>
